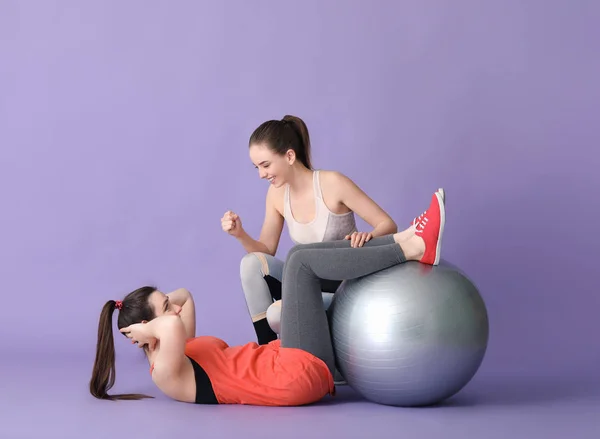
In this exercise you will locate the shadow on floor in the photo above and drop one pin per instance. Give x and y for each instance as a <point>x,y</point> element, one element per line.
<point>502,392</point>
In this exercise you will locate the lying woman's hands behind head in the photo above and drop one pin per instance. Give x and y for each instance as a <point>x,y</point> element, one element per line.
<point>141,334</point>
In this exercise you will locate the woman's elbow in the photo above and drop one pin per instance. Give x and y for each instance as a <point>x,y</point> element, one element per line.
<point>170,325</point>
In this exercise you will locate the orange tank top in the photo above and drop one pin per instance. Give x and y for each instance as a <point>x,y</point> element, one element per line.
<point>261,374</point>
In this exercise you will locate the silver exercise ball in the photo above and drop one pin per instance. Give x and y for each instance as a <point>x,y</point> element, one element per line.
<point>410,335</point>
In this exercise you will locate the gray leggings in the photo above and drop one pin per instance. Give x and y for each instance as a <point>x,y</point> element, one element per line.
<point>304,322</point>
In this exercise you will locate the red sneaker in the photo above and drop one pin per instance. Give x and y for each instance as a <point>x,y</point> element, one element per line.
<point>431,229</point>
<point>418,219</point>
<point>442,192</point>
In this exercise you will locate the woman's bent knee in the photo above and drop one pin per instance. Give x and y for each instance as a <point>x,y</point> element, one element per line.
<point>252,264</point>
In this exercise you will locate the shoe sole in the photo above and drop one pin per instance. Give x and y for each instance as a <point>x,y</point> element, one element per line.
<point>442,192</point>
<point>438,247</point>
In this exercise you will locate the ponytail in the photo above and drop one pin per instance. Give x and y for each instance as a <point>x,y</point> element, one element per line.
<point>104,372</point>
<point>282,135</point>
<point>301,131</point>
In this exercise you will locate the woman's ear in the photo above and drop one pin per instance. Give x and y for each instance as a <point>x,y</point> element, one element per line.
<point>290,155</point>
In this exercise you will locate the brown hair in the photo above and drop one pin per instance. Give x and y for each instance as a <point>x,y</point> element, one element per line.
<point>281,135</point>
<point>135,308</point>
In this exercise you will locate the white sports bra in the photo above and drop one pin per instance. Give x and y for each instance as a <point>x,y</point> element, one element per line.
<point>326,225</point>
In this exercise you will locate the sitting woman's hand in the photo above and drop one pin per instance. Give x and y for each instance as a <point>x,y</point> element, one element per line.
<point>139,334</point>
<point>358,239</point>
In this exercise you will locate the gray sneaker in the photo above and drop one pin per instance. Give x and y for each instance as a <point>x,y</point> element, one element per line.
<point>338,379</point>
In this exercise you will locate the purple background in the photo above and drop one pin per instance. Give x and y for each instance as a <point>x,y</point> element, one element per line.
<point>123,136</point>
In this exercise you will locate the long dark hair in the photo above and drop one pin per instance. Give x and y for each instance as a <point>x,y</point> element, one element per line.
<point>135,308</point>
<point>280,135</point>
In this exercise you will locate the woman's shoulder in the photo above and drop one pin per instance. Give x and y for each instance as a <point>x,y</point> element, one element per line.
<point>331,174</point>
<point>204,340</point>
<point>333,179</point>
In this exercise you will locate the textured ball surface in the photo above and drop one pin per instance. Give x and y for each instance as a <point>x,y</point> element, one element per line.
<point>409,335</point>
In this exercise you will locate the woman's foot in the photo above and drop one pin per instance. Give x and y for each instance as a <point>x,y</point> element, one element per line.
<point>426,244</point>
<point>416,220</point>
<point>405,235</point>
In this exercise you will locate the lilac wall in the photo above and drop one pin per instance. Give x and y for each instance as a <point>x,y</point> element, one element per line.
<point>124,127</point>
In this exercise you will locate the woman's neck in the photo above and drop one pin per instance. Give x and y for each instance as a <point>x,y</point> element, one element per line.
<point>301,179</point>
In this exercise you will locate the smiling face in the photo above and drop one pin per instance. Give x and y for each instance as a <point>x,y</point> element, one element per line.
<point>272,166</point>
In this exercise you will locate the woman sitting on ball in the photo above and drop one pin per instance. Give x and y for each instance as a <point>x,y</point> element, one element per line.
<point>317,206</point>
<point>296,370</point>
